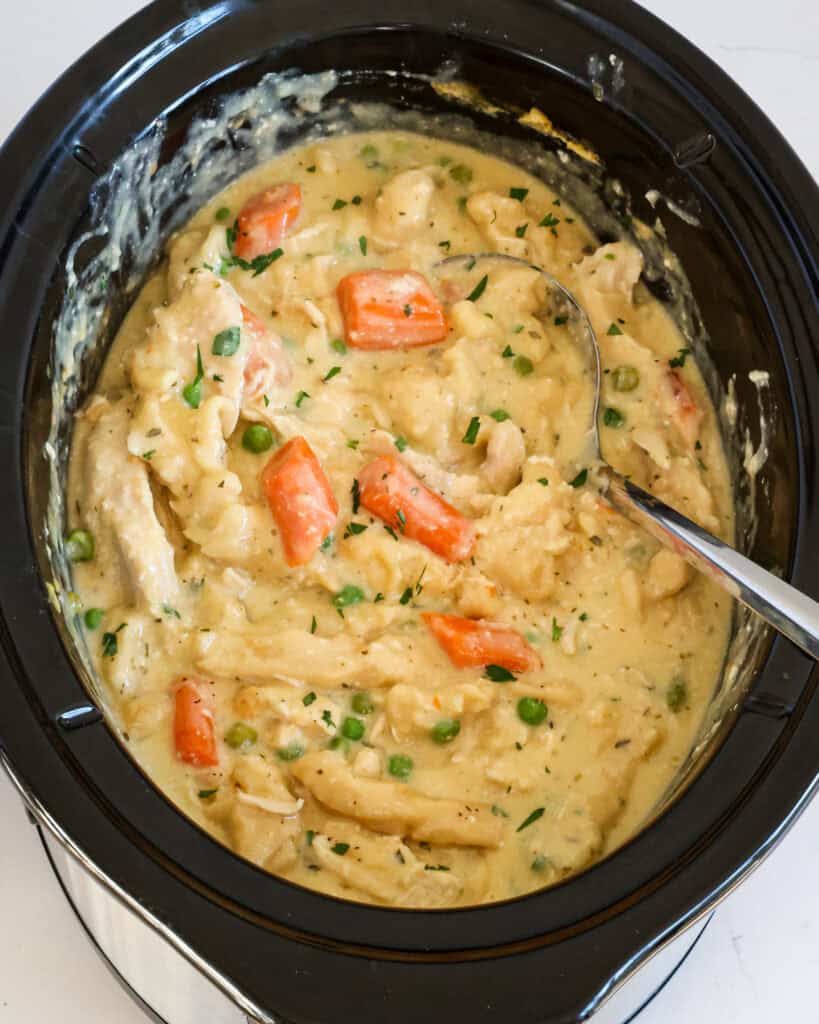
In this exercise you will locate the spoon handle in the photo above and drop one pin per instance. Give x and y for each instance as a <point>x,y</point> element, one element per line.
<point>788,610</point>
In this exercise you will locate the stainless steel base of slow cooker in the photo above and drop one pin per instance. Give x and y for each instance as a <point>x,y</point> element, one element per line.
<point>175,992</point>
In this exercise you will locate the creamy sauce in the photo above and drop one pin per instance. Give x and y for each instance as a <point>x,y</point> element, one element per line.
<point>190,575</point>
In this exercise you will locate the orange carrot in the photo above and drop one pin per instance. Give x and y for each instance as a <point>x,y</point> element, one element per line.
<point>300,499</point>
<point>384,309</point>
<point>390,490</point>
<point>265,220</point>
<point>473,643</point>
<point>193,726</point>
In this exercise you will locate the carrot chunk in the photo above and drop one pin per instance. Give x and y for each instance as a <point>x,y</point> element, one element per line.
<point>384,309</point>
<point>390,490</point>
<point>265,220</point>
<point>300,498</point>
<point>471,643</point>
<point>193,726</point>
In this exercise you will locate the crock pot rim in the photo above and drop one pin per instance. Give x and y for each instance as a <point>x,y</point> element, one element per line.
<point>139,30</point>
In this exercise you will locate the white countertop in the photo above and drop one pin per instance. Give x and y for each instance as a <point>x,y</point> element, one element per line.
<point>756,962</point>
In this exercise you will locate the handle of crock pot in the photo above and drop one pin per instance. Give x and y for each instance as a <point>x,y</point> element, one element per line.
<point>787,609</point>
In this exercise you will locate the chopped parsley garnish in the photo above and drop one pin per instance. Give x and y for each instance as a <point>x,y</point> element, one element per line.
<point>445,245</point>
<point>408,310</point>
<point>339,849</point>
<point>543,481</point>
<point>520,230</point>
<point>327,543</point>
<point>309,698</point>
<point>347,596</point>
<point>391,532</point>
<point>258,264</point>
<point>523,365</point>
<point>518,193</point>
<point>461,173</point>
<point>679,359</point>
<point>580,479</point>
<point>327,718</point>
<point>170,611</point>
<point>339,204</point>
<point>610,256</point>
<point>508,352</point>
<point>204,794</point>
<point>561,320</point>
<point>337,345</point>
<point>354,529</point>
<point>353,443</point>
<point>499,812</point>
<point>613,417</point>
<point>583,616</point>
<point>557,631</point>
<point>402,519</point>
<point>109,642</point>
<point>332,372</point>
<point>311,169</point>
<point>406,597</point>
<point>400,443</point>
<point>149,454</point>
<point>478,290</point>
<point>613,329</point>
<point>471,434</point>
<point>192,393</point>
<point>226,343</point>
<point>462,204</point>
<point>549,221</point>
<point>436,867</point>
<point>517,329</point>
<point>300,397</point>
<point>362,244</point>
<point>533,817</point>
<point>498,674</point>
<point>356,200</point>
<point>354,491</point>
<point>499,415</point>
<point>379,596</point>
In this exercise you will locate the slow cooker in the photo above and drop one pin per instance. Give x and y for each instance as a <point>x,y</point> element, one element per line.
<point>199,933</point>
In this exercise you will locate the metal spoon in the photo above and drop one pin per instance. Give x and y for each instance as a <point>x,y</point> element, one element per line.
<point>784,607</point>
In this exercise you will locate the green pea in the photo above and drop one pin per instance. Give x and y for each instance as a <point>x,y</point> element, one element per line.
<point>677,694</point>
<point>292,752</point>
<point>352,728</point>
<point>362,704</point>
<point>339,743</point>
<point>93,617</point>
<point>532,711</point>
<point>400,766</point>
<point>240,736</point>
<point>446,730</point>
<point>257,439</point>
<point>79,546</point>
<point>625,378</point>
<point>523,365</point>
